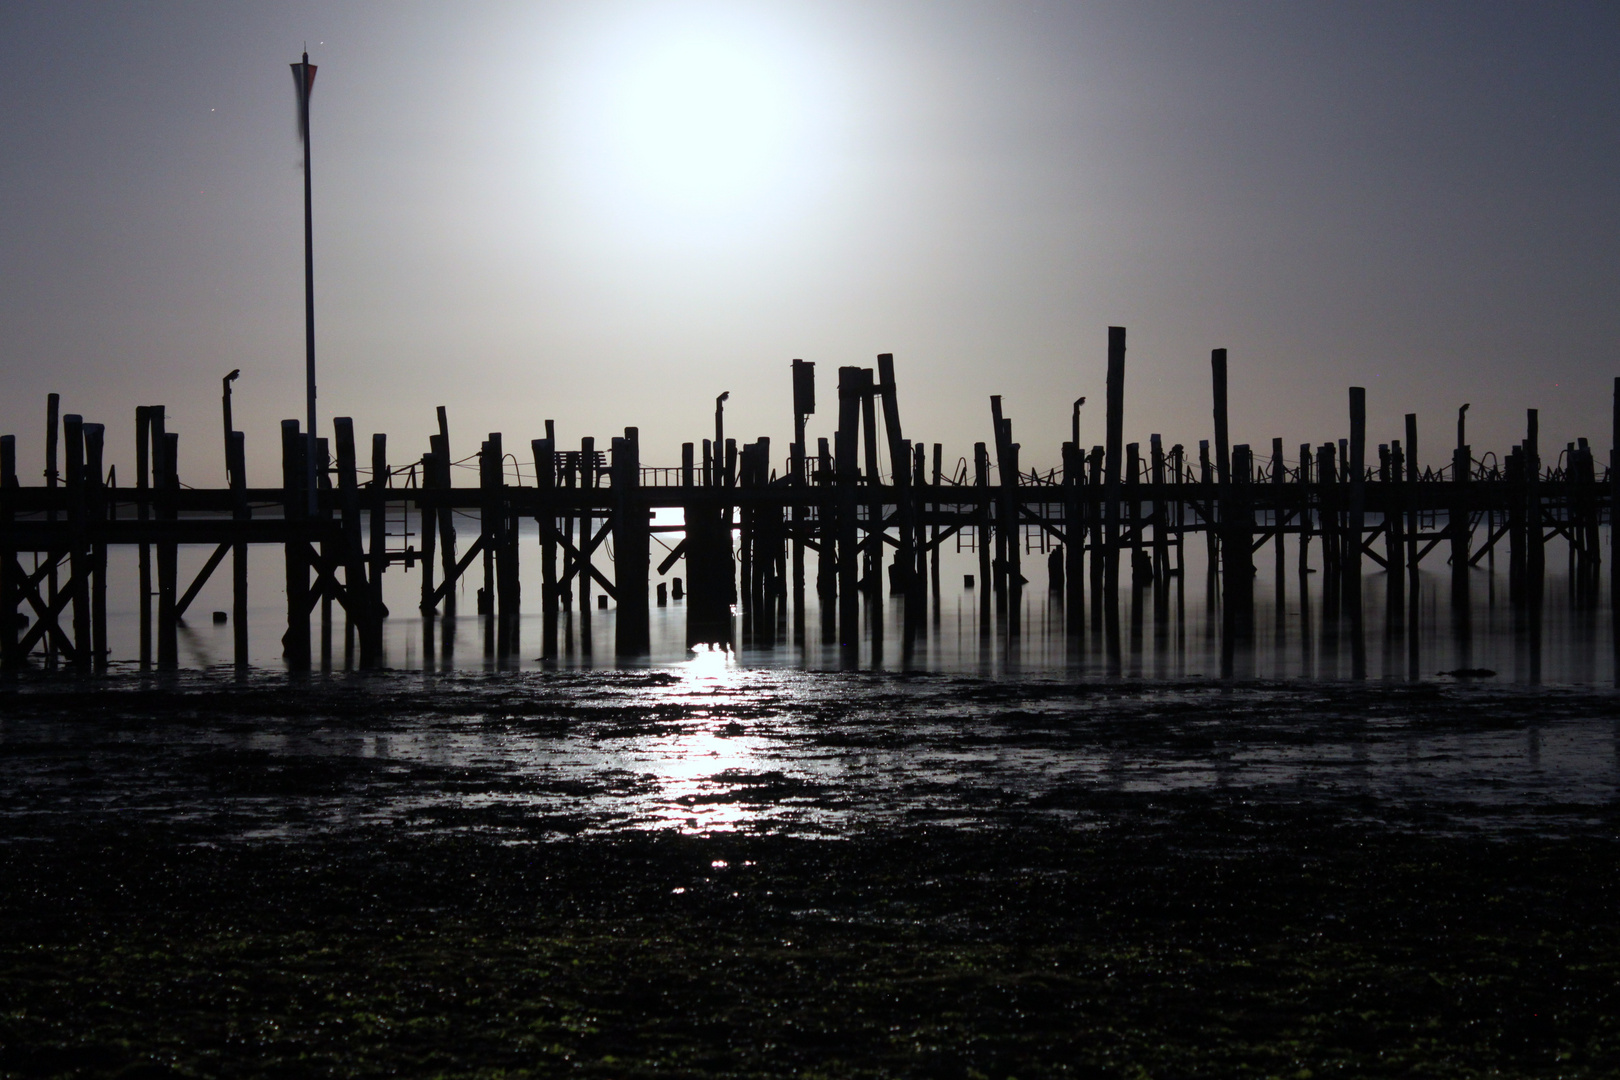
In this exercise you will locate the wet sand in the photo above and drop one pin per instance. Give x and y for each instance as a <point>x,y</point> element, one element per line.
<point>713,871</point>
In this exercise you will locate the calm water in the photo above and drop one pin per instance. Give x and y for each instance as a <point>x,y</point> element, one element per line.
<point>969,725</point>
<point>1170,633</point>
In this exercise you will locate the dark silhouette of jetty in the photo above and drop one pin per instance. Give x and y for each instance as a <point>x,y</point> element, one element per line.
<point>758,532</point>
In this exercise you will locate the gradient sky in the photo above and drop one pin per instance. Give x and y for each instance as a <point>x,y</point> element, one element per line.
<point>607,213</point>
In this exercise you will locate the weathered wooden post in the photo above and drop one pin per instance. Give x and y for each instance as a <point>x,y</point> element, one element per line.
<point>728,566</point>
<point>545,479</point>
<point>78,554</point>
<point>1587,500</point>
<point>1535,548</point>
<point>53,405</point>
<point>168,554</point>
<point>632,548</point>
<point>1395,493</point>
<point>428,517</point>
<point>295,510</point>
<point>804,405</point>
<point>236,465</point>
<point>851,382</point>
<point>981,530</point>
<point>488,529</point>
<point>440,445</point>
<point>1178,470</point>
<point>1459,525</point>
<point>1614,514</point>
<point>587,481</point>
<point>933,536</point>
<point>1094,517</point>
<point>1356,525</point>
<point>900,465</point>
<point>10,594</point>
<point>96,515</point>
<point>1111,493</point>
<point>1007,514</point>
<point>377,563</point>
<point>747,514</point>
<point>1206,488</point>
<point>508,585</point>
<point>1278,518</point>
<point>919,517</point>
<point>143,512</point>
<point>1413,502</point>
<point>1223,453</point>
<point>1327,474</point>
<point>1074,536</point>
<point>330,555</point>
<point>1306,505</point>
<point>1141,565</point>
<point>1237,552</point>
<point>356,591</point>
<point>826,536</point>
<point>872,541</point>
<point>1159,516</point>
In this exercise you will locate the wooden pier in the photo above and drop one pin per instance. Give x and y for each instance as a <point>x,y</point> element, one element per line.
<point>758,530</point>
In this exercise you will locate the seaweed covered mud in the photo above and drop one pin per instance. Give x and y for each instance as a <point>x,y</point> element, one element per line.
<point>706,870</point>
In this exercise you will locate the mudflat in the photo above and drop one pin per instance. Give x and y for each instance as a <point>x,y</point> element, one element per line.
<point>736,873</point>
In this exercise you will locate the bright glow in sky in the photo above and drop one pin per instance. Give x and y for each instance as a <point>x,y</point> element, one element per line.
<point>700,121</point>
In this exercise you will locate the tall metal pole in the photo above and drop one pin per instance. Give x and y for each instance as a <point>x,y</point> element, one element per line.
<point>304,76</point>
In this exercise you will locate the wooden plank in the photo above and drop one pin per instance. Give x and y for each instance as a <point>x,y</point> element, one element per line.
<point>201,579</point>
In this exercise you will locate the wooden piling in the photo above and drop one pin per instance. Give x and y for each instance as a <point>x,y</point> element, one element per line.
<point>1158,515</point>
<point>804,405</point>
<point>851,384</point>
<point>588,481</point>
<point>1237,548</point>
<point>1093,510</point>
<point>78,553</point>
<point>356,591</point>
<point>1304,508</point>
<point>236,467</point>
<point>168,550</point>
<point>53,405</point>
<point>1206,485</point>
<point>295,509</point>
<point>1279,518</point>
<point>872,572</point>
<point>143,511</point>
<point>632,550</point>
<point>935,509</point>
<point>545,479</point>
<point>1395,493</point>
<point>1141,565</point>
<point>899,469</point>
<point>95,490</point>
<point>1329,505</point>
<point>1535,547</point>
<point>427,516</point>
<point>826,553</point>
<point>1074,538</point>
<point>1614,514</point>
<point>1111,492</point>
<point>1458,524</point>
<point>377,544</point>
<point>1355,529</point>
<point>440,445</point>
<point>10,571</point>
